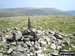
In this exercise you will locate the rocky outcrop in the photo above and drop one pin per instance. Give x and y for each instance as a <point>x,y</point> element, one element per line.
<point>14,42</point>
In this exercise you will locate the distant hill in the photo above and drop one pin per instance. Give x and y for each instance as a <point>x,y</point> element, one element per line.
<point>71,12</point>
<point>30,12</point>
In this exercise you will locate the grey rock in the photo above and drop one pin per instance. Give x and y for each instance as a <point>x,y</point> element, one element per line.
<point>20,42</point>
<point>25,32</point>
<point>40,32</point>
<point>64,44</point>
<point>0,37</point>
<point>68,40</point>
<point>53,46</point>
<point>54,38</point>
<point>20,48</point>
<point>4,31</point>
<point>39,51</point>
<point>58,47</point>
<point>43,43</point>
<point>10,50</point>
<point>4,39</point>
<point>17,53</point>
<point>4,54</point>
<point>34,30</point>
<point>16,28</point>
<point>32,49</point>
<point>47,40</point>
<point>55,53</point>
<point>32,43</point>
<point>57,36</point>
<point>59,41</point>
<point>18,35</point>
<point>13,43</point>
<point>37,44</point>
<point>31,54</point>
<point>8,30</point>
<point>71,37</point>
<point>73,33</point>
<point>1,54</point>
<point>29,43</point>
<point>24,45</point>
<point>51,32</point>
<point>73,46</point>
<point>27,37</point>
<point>40,54</point>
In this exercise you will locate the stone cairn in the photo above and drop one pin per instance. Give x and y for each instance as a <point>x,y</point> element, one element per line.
<point>31,42</point>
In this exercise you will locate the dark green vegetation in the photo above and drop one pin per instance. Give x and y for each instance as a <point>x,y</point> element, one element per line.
<point>30,12</point>
<point>61,23</point>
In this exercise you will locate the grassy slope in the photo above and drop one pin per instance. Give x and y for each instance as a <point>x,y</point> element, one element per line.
<point>30,12</point>
<point>64,23</point>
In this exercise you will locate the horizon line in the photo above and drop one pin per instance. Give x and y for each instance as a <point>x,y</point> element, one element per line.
<point>36,8</point>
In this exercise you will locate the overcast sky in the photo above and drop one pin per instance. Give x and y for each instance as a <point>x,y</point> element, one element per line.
<point>58,4</point>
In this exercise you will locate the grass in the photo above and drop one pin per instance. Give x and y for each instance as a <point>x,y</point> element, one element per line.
<point>64,23</point>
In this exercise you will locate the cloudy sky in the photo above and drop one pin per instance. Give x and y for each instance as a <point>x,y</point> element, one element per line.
<point>58,4</point>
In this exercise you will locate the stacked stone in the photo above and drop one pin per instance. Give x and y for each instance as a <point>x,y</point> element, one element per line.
<point>14,42</point>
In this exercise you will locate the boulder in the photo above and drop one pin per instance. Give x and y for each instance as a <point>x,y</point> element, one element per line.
<point>18,35</point>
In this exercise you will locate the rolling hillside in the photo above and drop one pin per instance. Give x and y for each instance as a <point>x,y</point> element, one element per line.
<point>30,12</point>
<point>71,12</point>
